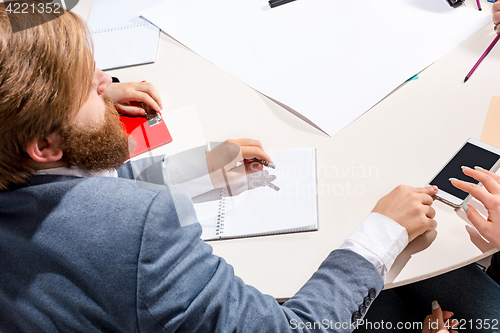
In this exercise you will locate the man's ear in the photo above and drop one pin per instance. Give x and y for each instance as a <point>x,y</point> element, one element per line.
<point>46,150</point>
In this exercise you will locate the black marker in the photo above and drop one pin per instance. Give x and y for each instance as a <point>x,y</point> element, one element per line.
<point>455,3</point>
<point>276,3</point>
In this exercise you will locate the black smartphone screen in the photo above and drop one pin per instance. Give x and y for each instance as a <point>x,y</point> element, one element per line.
<point>470,155</point>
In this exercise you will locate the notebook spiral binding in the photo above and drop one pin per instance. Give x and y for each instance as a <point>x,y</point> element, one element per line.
<point>221,214</point>
<point>123,27</point>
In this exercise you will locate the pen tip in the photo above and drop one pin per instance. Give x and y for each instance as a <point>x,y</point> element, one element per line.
<point>466,78</point>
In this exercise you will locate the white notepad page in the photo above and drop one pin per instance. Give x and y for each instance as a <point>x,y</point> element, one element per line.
<point>121,37</point>
<point>268,202</point>
<point>207,210</point>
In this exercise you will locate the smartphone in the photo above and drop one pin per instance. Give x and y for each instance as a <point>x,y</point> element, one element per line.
<point>472,153</point>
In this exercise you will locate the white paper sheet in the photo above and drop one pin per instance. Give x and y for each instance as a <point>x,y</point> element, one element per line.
<point>121,38</point>
<point>330,60</point>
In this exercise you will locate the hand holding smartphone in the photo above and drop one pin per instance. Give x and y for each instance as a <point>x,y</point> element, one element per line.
<point>473,153</point>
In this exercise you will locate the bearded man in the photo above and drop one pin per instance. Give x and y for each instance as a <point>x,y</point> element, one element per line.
<point>84,249</point>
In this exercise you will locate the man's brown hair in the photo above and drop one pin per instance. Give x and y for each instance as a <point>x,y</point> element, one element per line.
<point>46,74</point>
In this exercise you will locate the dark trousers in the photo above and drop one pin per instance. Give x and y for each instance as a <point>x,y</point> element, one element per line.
<point>468,292</point>
<point>494,270</point>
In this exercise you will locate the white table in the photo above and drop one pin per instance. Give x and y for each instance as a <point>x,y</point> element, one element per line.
<point>404,139</point>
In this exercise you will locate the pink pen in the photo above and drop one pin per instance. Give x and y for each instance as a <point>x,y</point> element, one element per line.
<point>478,5</point>
<point>482,57</point>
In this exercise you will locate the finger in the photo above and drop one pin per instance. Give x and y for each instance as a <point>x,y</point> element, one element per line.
<point>247,142</point>
<point>447,315</point>
<point>449,323</point>
<point>432,225</point>
<point>243,169</point>
<point>489,182</point>
<point>430,212</point>
<point>132,110</point>
<point>134,95</point>
<point>478,192</point>
<point>251,149</point>
<point>148,88</point>
<point>437,314</point>
<point>496,12</point>
<point>253,167</point>
<point>249,152</point>
<point>429,190</point>
<point>482,225</point>
<point>146,98</point>
<point>496,17</point>
<point>425,199</point>
<point>242,143</point>
<point>424,194</point>
<point>492,174</point>
<point>427,324</point>
<point>236,173</point>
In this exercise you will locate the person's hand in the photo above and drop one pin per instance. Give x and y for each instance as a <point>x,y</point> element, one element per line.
<point>124,93</point>
<point>411,208</point>
<point>438,321</point>
<point>233,157</point>
<point>489,195</point>
<point>496,16</point>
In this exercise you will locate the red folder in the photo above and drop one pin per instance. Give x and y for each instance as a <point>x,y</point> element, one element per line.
<point>146,137</point>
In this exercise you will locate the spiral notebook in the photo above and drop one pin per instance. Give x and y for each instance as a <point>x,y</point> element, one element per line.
<point>283,200</point>
<point>121,37</point>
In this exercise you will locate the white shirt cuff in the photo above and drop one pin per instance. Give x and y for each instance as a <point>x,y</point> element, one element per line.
<point>379,240</point>
<point>188,171</point>
<point>195,187</point>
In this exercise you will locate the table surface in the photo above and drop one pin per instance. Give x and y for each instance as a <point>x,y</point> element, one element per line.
<point>405,139</point>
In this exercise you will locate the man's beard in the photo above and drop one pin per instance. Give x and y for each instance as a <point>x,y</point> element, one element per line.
<point>101,148</point>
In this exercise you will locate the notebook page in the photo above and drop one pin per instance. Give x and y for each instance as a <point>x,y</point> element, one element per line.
<point>207,207</point>
<point>121,37</point>
<point>275,201</point>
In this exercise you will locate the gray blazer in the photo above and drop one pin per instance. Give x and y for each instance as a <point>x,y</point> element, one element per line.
<point>103,255</point>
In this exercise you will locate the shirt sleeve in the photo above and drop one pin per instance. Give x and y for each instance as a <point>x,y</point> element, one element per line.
<point>188,171</point>
<point>184,287</point>
<point>379,240</point>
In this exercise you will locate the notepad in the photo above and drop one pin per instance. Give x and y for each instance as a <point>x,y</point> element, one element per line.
<point>283,200</point>
<point>121,37</point>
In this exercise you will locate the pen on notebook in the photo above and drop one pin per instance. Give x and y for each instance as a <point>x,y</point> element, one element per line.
<point>263,162</point>
<point>482,57</point>
<point>276,3</point>
<point>478,5</point>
